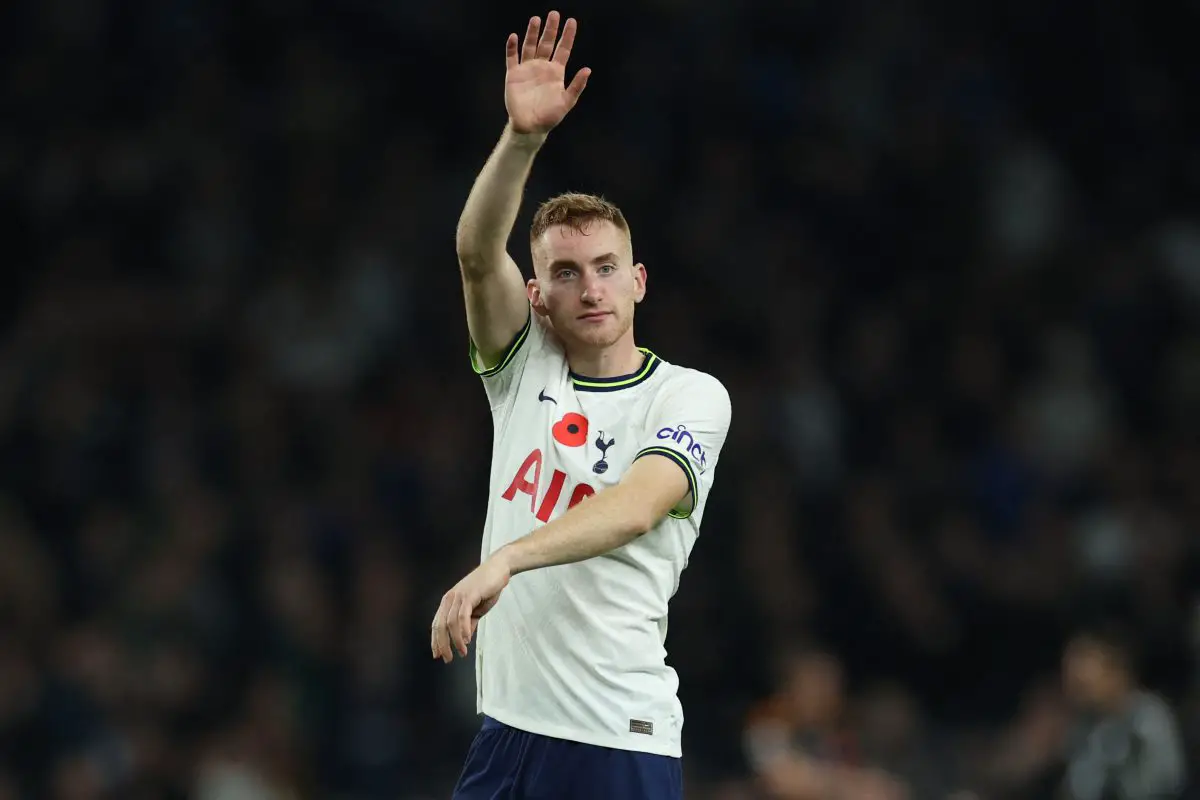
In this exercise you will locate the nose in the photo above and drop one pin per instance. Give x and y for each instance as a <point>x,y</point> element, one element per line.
<point>591,290</point>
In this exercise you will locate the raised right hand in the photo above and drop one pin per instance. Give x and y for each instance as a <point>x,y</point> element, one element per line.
<point>534,91</point>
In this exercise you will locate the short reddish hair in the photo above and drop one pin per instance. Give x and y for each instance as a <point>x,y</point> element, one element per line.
<point>575,210</point>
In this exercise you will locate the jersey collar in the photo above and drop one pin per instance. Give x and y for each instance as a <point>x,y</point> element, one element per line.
<point>643,373</point>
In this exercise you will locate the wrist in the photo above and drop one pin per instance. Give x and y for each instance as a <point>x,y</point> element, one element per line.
<point>524,139</point>
<point>510,558</point>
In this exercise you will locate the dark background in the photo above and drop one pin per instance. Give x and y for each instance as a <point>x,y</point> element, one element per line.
<point>945,256</point>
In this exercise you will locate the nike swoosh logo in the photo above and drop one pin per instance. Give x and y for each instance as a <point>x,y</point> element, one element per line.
<point>543,397</point>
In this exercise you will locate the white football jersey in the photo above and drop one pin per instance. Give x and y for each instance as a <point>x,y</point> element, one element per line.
<point>577,651</point>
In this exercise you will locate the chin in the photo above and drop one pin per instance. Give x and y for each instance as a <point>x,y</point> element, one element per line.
<point>591,338</point>
<point>597,336</point>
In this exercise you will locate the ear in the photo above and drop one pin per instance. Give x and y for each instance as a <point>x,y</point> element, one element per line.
<point>639,282</point>
<point>533,291</point>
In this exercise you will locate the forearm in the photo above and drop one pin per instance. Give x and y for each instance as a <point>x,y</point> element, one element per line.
<point>598,525</point>
<point>495,199</point>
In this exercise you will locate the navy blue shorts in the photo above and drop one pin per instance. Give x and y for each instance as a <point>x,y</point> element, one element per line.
<point>507,764</point>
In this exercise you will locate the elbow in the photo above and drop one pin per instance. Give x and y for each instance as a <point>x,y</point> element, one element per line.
<point>465,238</point>
<point>467,246</point>
<point>476,261</point>
<point>474,265</point>
<point>473,240</point>
<point>639,520</point>
<point>638,508</point>
<point>639,525</point>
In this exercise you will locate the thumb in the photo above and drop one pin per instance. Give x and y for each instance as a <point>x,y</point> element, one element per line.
<point>577,85</point>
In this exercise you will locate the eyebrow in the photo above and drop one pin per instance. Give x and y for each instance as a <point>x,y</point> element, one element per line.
<point>603,258</point>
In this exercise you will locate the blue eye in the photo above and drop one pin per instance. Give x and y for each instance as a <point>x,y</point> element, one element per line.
<point>607,268</point>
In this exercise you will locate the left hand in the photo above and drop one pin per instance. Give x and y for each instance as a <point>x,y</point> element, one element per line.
<point>457,617</point>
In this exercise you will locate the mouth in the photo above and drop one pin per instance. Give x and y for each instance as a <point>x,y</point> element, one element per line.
<point>594,316</point>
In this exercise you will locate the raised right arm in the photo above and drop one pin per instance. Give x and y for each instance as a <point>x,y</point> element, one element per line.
<point>497,307</point>
<point>537,100</point>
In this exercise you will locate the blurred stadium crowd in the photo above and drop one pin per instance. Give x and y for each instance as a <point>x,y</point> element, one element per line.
<point>945,256</point>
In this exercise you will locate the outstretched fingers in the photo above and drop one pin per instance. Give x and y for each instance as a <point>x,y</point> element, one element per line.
<point>529,48</point>
<point>511,53</point>
<point>563,51</point>
<point>545,47</point>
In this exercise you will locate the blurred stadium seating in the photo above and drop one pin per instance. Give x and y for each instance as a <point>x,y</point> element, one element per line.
<point>946,256</point>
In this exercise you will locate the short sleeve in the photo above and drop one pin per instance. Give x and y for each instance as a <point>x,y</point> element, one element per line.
<point>500,380</point>
<point>688,424</point>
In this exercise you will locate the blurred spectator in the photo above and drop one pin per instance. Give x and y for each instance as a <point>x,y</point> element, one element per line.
<point>802,746</point>
<point>1127,744</point>
<point>895,738</point>
<point>1025,759</point>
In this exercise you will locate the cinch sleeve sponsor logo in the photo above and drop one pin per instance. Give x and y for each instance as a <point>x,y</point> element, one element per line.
<point>682,437</point>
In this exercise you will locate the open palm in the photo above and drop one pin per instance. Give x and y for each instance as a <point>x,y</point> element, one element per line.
<point>534,90</point>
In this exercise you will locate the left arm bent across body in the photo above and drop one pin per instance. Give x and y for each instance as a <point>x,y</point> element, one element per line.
<point>670,476</point>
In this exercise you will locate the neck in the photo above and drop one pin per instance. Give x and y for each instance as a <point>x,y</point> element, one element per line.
<point>619,358</point>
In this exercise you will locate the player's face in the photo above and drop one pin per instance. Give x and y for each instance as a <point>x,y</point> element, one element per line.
<point>587,283</point>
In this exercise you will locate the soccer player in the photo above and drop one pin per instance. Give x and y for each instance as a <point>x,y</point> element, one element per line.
<point>602,459</point>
